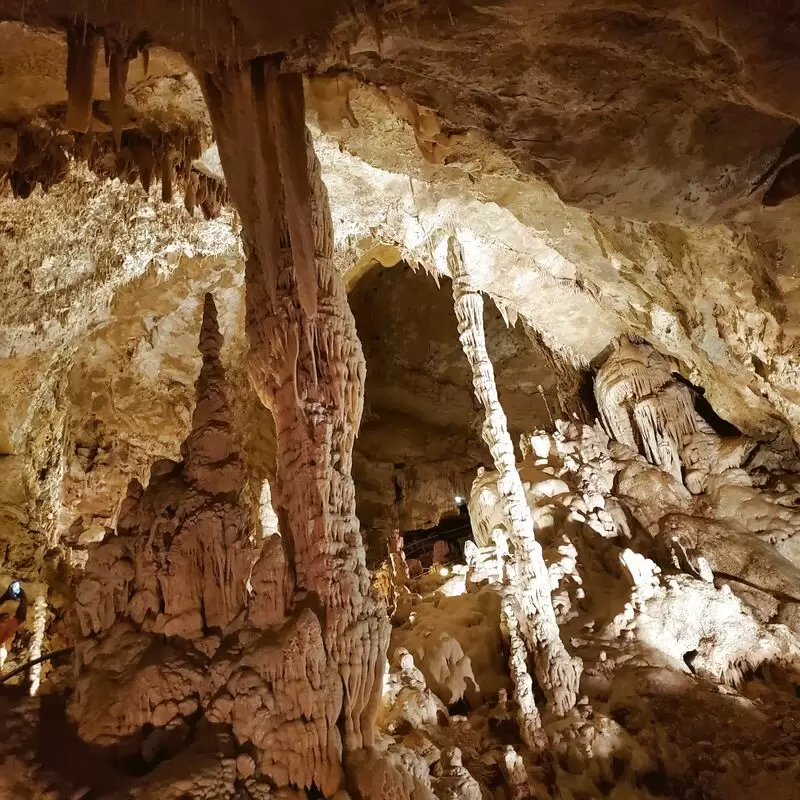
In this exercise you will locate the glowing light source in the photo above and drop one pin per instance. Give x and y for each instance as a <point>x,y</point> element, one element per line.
<point>458,499</point>
<point>444,572</point>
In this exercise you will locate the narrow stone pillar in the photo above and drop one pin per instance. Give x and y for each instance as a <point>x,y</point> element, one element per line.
<point>556,671</point>
<point>35,646</point>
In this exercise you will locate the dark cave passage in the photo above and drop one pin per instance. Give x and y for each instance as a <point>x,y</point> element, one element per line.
<point>420,442</point>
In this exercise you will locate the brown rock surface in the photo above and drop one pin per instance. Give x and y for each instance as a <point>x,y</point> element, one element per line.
<point>177,567</point>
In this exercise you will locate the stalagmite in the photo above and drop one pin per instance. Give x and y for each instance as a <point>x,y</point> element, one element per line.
<point>176,571</point>
<point>397,558</point>
<point>557,672</point>
<point>185,615</point>
<point>35,647</point>
<point>306,363</point>
<point>529,721</point>
<point>83,45</point>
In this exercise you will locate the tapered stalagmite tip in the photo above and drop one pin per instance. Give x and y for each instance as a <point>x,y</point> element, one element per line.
<point>211,339</point>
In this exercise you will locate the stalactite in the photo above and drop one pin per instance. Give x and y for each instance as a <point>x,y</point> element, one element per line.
<point>557,672</point>
<point>44,159</point>
<point>166,178</point>
<point>306,363</point>
<point>643,406</point>
<point>190,195</point>
<point>288,109</point>
<point>83,45</point>
<point>118,63</point>
<point>237,105</point>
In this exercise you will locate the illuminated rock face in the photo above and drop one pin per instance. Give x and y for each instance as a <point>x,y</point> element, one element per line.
<point>185,614</point>
<point>321,673</point>
<point>643,406</point>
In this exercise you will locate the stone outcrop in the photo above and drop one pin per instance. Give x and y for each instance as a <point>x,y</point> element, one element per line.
<point>189,617</point>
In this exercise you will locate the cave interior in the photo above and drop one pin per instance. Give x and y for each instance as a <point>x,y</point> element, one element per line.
<point>400,400</point>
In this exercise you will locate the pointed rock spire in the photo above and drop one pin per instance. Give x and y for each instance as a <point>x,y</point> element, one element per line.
<point>212,440</point>
<point>211,339</point>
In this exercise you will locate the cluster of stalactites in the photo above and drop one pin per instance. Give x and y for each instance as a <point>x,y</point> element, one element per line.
<point>101,134</point>
<point>643,406</point>
<point>259,120</point>
<point>34,155</point>
<point>83,47</point>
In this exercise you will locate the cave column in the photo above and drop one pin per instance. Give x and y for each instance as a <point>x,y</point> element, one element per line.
<point>557,672</point>
<point>307,365</point>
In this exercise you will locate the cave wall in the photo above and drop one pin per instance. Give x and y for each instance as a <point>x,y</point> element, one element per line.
<point>65,258</point>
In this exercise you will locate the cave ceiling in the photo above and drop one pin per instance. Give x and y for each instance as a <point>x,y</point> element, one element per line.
<point>614,168</point>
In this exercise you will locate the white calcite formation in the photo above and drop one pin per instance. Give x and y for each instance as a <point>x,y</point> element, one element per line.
<point>556,671</point>
<point>406,701</point>
<point>655,588</point>
<point>643,406</point>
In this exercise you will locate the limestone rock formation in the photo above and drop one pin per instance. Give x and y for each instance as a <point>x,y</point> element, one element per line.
<point>183,609</point>
<point>307,366</point>
<point>643,406</point>
<point>710,609</point>
<point>622,181</point>
<point>177,567</point>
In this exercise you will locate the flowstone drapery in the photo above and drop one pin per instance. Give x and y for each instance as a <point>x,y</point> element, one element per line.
<point>307,365</point>
<point>643,406</point>
<point>556,671</point>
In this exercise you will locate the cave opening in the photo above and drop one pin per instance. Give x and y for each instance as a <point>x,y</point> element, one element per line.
<point>719,425</point>
<point>420,442</point>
